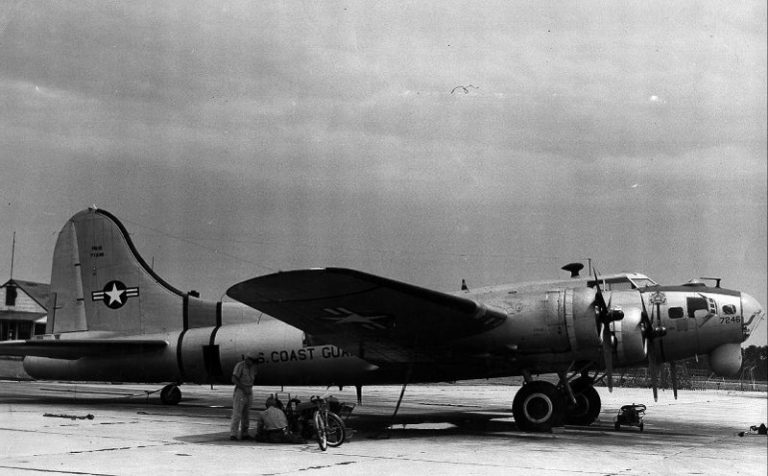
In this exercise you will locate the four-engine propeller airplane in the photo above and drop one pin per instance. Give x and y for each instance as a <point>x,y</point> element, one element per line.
<point>112,318</point>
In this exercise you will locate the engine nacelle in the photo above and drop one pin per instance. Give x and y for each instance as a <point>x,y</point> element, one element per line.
<point>565,321</point>
<point>580,317</point>
<point>558,321</point>
<point>630,346</point>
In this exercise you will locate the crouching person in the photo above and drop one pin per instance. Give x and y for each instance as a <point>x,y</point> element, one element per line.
<point>273,425</point>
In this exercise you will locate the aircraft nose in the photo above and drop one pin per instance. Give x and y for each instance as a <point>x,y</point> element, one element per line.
<point>752,313</point>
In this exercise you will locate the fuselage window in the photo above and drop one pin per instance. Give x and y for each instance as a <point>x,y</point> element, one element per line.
<point>676,312</point>
<point>729,309</point>
<point>696,304</point>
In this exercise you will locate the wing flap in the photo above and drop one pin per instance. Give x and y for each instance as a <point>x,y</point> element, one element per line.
<point>71,349</point>
<point>376,318</point>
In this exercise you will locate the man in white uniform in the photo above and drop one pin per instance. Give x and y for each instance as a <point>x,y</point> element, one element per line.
<point>242,376</point>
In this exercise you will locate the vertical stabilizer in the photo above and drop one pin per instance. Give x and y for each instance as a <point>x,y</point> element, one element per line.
<point>67,309</point>
<point>99,282</point>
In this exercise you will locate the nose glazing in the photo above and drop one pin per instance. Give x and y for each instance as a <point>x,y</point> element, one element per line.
<point>752,313</point>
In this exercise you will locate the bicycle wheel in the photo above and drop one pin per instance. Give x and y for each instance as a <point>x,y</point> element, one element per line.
<point>336,431</point>
<point>320,431</point>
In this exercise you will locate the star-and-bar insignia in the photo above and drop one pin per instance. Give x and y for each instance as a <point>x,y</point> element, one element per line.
<point>115,294</point>
<point>340,315</point>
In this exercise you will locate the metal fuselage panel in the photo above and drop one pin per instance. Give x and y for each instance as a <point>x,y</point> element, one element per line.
<point>546,328</point>
<point>209,354</point>
<point>103,289</point>
<point>543,330</point>
<point>697,319</point>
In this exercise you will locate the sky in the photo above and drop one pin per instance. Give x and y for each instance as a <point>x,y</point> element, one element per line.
<point>427,142</point>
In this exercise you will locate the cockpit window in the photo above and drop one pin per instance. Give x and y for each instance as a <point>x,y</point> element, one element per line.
<point>622,283</point>
<point>643,282</point>
<point>676,312</point>
<point>701,303</point>
<point>618,286</point>
<point>696,304</point>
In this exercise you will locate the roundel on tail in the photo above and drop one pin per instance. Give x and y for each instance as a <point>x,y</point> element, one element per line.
<point>115,294</point>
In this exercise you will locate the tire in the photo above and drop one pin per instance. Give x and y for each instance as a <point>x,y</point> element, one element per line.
<point>320,431</point>
<point>538,406</point>
<point>336,431</point>
<point>170,395</point>
<point>587,407</point>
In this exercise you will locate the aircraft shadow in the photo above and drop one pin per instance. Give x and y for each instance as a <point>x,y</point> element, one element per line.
<point>490,423</point>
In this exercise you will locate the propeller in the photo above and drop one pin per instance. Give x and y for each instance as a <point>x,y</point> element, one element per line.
<point>673,372</point>
<point>650,333</point>
<point>604,316</point>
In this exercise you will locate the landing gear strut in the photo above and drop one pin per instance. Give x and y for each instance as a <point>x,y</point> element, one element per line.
<point>170,394</point>
<point>587,407</point>
<point>540,405</point>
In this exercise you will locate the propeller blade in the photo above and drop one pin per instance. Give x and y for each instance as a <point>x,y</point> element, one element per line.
<point>673,372</point>
<point>601,317</point>
<point>604,329</point>
<point>645,321</point>
<point>599,296</point>
<point>651,347</point>
<point>653,368</point>
<point>608,355</point>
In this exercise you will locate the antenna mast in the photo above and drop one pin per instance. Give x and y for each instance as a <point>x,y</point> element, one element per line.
<point>13,252</point>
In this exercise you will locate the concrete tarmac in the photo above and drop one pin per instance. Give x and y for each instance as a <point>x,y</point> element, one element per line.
<point>461,429</point>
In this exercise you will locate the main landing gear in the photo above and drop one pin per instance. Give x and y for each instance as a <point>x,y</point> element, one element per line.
<point>170,394</point>
<point>586,409</point>
<point>539,406</point>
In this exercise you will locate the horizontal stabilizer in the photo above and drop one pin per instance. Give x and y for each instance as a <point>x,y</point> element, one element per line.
<point>77,348</point>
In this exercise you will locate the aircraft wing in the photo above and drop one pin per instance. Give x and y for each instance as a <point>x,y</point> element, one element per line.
<point>375,318</point>
<point>72,349</point>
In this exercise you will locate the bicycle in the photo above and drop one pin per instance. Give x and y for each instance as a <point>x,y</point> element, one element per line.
<point>329,427</point>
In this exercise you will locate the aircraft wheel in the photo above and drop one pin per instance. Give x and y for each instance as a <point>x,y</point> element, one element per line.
<point>587,407</point>
<point>538,406</point>
<point>170,394</point>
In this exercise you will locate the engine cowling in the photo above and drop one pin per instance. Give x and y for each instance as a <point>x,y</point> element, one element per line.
<point>630,345</point>
<point>563,323</point>
<point>580,319</point>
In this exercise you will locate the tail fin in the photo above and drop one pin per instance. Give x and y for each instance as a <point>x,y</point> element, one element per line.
<point>99,282</point>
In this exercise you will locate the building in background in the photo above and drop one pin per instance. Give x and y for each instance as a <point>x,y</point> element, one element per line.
<point>23,309</point>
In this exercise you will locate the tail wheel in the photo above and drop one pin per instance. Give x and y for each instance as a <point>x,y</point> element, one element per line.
<point>587,407</point>
<point>320,431</point>
<point>538,406</point>
<point>336,431</point>
<point>170,395</point>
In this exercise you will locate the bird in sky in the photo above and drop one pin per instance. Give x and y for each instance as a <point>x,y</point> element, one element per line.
<point>464,88</point>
